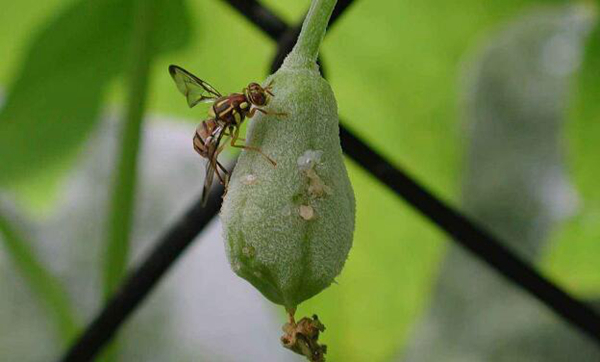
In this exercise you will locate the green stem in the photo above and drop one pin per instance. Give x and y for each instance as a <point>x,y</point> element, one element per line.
<point>48,289</point>
<point>123,193</point>
<point>120,215</point>
<point>306,50</point>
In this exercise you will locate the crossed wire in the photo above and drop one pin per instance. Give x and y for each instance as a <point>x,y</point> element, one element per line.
<point>469,235</point>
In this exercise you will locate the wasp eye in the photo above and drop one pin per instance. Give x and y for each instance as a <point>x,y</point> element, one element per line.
<point>258,97</point>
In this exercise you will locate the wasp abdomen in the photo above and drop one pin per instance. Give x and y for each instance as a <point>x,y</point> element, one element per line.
<point>203,135</point>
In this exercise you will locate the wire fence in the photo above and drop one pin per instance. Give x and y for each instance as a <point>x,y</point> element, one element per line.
<point>466,233</point>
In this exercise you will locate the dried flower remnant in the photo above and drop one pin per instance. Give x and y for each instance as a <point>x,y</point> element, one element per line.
<point>303,338</point>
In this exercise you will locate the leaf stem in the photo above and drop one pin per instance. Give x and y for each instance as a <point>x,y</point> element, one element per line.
<point>120,215</point>
<point>123,192</point>
<point>48,289</point>
<point>305,52</point>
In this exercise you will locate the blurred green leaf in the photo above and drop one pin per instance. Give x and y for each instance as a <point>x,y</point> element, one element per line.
<point>19,23</point>
<point>394,67</point>
<point>120,214</point>
<point>574,260</point>
<point>55,101</point>
<point>515,96</point>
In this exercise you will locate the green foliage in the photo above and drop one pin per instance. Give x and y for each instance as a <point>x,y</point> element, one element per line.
<point>574,261</point>
<point>54,102</point>
<point>394,68</point>
<point>121,213</point>
<point>514,184</point>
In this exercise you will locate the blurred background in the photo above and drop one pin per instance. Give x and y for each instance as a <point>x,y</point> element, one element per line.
<point>493,105</point>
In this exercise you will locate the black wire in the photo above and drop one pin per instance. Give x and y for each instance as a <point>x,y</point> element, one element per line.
<point>285,43</point>
<point>173,243</point>
<point>260,16</point>
<point>474,238</point>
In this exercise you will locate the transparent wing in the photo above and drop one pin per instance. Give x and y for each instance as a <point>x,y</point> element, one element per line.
<point>211,165</point>
<point>208,179</point>
<point>193,88</point>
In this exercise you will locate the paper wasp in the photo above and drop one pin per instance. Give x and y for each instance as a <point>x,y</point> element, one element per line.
<point>225,118</point>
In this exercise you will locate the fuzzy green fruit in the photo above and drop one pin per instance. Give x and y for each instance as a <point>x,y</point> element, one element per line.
<point>289,228</point>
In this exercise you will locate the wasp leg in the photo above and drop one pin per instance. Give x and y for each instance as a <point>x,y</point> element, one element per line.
<point>216,171</point>
<point>218,151</point>
<point>254,109</point>
<point>269,87</point>
<point>224,181</point>
<point>230,135</point>
<point>256,149</point>
<point>227,177</point>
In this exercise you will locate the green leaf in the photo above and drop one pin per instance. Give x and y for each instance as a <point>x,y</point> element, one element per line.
<point>55,101</point>
<point>120,213</point>
<point>515,96</point>
<point>574,260</point>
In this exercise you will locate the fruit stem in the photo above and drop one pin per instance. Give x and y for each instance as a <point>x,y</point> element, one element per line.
<point>291,312</point>
<point>306,50</point>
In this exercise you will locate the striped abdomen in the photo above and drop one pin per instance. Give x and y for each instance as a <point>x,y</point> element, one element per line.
<point>205,136</point>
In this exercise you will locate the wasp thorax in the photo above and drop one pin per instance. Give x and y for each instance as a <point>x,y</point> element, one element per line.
<point>257,94</point>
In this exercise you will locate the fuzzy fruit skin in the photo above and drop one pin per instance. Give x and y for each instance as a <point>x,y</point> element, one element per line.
<point>285,256</point>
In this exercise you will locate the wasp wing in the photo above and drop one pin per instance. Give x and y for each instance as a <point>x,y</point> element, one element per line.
<point>208,179</point>
<point>193,88</point>
<point>212,143</point>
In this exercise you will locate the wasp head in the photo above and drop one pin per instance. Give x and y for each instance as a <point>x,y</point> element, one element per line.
<point>257,95</point>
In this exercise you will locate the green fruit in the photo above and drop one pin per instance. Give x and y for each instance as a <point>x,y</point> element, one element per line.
<point>289,228</point>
